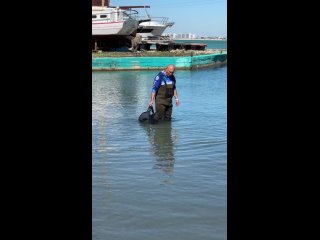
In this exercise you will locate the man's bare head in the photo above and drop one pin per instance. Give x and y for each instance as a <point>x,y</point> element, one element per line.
<point>170,69</point>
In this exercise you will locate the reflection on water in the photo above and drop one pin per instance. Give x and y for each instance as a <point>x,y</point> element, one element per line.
<point>162,143</point>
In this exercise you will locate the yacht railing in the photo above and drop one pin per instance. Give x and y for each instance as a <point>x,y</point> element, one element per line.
<point>132,14</point>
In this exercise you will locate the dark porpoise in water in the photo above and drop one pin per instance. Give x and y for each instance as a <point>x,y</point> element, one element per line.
<point>149,116</point>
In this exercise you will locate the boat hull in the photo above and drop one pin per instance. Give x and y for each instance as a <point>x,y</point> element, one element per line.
<point>152,29</point>
<point>100,28</point>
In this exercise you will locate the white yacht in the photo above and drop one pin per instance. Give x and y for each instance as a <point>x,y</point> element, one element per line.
<point>112,21</point>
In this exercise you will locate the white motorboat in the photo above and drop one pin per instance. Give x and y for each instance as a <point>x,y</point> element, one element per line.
<point>149,27</point>
<point>154,28</point>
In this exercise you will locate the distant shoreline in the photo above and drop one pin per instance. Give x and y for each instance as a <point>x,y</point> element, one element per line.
<point>206,39</point>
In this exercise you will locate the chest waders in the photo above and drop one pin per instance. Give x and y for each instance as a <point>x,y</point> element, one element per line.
<point>164,101</point>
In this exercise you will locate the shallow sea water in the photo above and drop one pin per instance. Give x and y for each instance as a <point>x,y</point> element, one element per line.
<point>159,181</point>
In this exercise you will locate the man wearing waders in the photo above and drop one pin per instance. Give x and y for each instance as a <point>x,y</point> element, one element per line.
<point>164,88</point>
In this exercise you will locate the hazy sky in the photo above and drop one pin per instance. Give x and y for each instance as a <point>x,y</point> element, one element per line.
<point>201,17</point>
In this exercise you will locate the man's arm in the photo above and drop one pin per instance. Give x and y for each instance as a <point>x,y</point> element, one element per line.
<point>155,87</point>
<point>175,94</point>
<point>152,99</point>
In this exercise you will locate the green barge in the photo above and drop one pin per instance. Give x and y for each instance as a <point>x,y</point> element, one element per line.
<point>141,61</point>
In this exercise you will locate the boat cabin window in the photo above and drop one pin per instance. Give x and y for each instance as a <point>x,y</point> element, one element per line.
<point>103,16</point>
<point>94,16</point>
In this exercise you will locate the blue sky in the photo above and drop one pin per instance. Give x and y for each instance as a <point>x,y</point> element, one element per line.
<point>201,17</point>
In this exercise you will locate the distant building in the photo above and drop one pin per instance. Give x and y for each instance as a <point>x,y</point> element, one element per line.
<point>181,35</point>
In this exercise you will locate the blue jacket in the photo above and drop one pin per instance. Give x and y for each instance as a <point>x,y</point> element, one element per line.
<point>159,80</point>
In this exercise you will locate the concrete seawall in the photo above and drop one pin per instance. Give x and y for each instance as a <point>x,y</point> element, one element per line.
<point>145,63</point>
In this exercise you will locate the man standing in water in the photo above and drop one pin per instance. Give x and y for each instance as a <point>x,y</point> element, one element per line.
<point>164,88</point>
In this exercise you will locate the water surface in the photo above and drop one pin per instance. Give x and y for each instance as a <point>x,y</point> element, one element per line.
<point>211,44</point>
<point>161,181</point>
